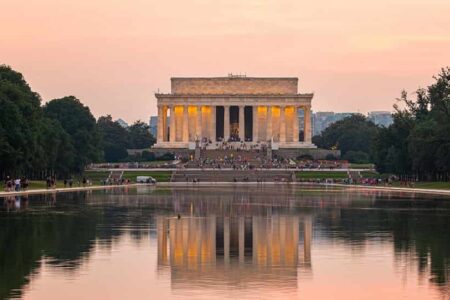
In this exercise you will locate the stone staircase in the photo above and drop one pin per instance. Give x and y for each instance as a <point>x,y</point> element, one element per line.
<point>115,176</point>
<point>355,176</point>
<point>187,175</point>
<point>250,156</point>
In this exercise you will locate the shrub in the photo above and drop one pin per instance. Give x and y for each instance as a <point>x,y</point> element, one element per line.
<point>357,157</point>
<point>148,156</point>
<point>305,157</point>
<point>167,156</point>
<point>330,157</point>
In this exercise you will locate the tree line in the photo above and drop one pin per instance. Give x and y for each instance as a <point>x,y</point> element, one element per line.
<point>416,144</point>
<point>60,137</point>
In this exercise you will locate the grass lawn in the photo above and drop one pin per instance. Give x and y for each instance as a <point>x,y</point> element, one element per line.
<point>37,185</point>
<point>95,176</point>
<point>361,166</point>
<point>369,174</point>
<point>160,176</point>
<point>321,175</point>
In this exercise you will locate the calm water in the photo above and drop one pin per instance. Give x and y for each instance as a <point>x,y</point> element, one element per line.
<point>225,243</point>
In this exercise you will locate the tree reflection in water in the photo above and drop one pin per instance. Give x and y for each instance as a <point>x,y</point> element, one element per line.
<point>220,231</point>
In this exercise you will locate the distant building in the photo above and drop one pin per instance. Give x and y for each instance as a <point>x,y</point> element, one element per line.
<point>153,124</point>
<point>122,123</point>
<point>380,118</point>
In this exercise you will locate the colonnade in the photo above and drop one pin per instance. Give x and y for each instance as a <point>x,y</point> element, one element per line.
<point>191,122</point>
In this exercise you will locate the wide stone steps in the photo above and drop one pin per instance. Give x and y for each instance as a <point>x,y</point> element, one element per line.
<point>231,175</point>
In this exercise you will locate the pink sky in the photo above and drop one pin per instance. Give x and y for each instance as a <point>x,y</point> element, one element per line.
<point>114,54</point>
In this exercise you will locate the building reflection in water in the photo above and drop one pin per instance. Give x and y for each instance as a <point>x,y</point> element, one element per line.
<point>255,250</point>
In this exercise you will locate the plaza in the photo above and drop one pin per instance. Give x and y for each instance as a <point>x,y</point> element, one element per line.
<point>235,110</point>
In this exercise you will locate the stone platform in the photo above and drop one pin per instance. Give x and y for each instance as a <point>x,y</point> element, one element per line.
<point>233,176</point>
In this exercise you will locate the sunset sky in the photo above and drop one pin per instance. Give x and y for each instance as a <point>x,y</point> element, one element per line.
<point>113,55</point>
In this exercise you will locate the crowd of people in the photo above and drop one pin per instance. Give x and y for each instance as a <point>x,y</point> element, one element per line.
<point>240,161</point>
<point>17,184</point>
<point>22,183</point>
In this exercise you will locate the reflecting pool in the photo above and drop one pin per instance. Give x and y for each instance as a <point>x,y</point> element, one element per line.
<point>250,242</point>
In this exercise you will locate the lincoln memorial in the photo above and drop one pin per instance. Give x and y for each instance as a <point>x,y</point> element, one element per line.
<point>235,109</point>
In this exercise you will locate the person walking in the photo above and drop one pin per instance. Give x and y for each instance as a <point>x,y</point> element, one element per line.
<point>17,184</point>
<point>8,184</point>
<point>24,183</point>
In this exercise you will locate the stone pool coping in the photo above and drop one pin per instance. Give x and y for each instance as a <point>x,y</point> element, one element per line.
<point>206,184</point>
<point>347,186</point>
<point>68,190</point>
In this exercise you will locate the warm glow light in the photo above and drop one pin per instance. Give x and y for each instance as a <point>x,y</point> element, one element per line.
<point>178,109</point>
<point>275,111</point>
<point>289,111</point>
<point>262,109</point>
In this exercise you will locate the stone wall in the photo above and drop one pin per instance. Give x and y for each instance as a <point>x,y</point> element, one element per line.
<point>176,151</point>
<point>235,85</point>
<point>315,153</point>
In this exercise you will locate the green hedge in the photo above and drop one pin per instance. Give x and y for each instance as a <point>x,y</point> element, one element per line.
<point>321,175</point>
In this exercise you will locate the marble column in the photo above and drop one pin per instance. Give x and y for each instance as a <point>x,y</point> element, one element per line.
<point>242,123</point>
<point>172,124</point>
<point>255,124</point>
<point>226,123</point>
<point>226,240</point>
<point>160,132</point>
<point>269,132</point>
<point>282,124</point>
<point>165,134</point>
<point>241,237</point>
<point>198,127</point>
<point>185,124</point>
<point>213,124</point>
<point>295,131</point>
<point>307,124</point>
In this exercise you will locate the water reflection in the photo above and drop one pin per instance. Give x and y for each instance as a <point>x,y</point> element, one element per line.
<point>261,242</point>
<point>259,250</point>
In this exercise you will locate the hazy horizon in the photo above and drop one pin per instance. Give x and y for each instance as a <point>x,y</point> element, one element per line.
<point>113,55</point>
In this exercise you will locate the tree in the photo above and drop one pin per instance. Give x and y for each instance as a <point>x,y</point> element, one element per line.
<point>20,115</point>
<point>418,141</point>
<point>140,136</point>
<point>114,139</point>
<point>354,133</point>
<point>80,125</point>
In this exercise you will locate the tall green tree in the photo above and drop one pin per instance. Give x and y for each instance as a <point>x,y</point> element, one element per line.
<point>353,135</point>
<point>20,116</point>
<point>80,125</point>
<point>114,139</point>
<point>418,141</point>
<point>140,136</point>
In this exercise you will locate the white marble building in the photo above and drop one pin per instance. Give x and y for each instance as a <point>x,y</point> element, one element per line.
<point>234,109</point>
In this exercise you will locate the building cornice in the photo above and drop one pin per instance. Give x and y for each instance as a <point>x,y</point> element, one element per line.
<point>235,78</point>
<point>234,96</point>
